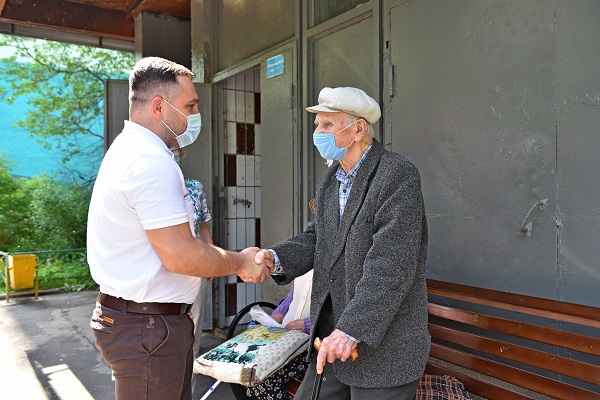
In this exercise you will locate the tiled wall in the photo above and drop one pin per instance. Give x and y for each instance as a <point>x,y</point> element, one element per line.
<point>241,179</point>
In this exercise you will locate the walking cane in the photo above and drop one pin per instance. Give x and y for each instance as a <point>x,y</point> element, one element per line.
<point>210,390</point>
<point>318,377</point>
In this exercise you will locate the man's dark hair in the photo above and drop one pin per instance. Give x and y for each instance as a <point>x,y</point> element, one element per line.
<point>154,76</point>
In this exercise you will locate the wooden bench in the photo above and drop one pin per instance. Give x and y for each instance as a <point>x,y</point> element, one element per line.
<point>509,346</point>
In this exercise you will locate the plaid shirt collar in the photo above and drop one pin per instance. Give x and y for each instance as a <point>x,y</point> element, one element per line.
<point>349,177</point>
<point>346,181</point>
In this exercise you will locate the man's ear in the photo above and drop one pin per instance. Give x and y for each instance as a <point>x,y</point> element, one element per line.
<point>157,106</point>
<point>361,127</point>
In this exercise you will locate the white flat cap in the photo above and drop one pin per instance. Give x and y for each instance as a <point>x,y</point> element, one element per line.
<point>348,100</point>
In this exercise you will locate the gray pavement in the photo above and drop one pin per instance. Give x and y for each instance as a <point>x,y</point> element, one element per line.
<point>47,351</point>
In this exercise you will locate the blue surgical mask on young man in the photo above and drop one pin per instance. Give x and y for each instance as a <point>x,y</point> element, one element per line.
<point>325,143</point>
<point>194,124</point>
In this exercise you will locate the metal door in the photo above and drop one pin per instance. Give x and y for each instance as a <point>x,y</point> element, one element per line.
<point>279,141</point>
<point>465,103</point>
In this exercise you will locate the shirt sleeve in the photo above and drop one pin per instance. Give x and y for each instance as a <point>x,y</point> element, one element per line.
<point>203,205</point>
<point>307,325</point>
<point>284,306</point>
<point>154,187</point>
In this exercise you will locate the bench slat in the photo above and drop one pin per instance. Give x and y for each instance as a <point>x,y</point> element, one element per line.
<point>507,373</point>
<point>567,340</point>
<point>476,386</point>
<point>550,362</point>
<point>559,310</point>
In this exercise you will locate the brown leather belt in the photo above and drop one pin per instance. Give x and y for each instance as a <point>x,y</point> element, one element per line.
<point>118,303</point>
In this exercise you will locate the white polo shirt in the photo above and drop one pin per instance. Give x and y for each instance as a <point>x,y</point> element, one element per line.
<point>139,187</point>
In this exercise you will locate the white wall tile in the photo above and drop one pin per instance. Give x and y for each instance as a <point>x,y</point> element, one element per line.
<point>230,138</point>
<point>250,170</point>
<point>230,83</point>
<point>230,105</point>
<point>250,107</point>
<point>240,175</point>
<point>258,291</point>
<point>241,207</point>
<point>250,197</point>
<point>249,80</point>
<point>241,234</point>
<point>250,229</point>
<point>240,109</point>
<point>257,137</point>
<point>251,293</point>
<point>257,171</point>
<point>231,193</point>
<point>239,82</point>
<point>241,295</point>
<point>257,206</point>
<point>232,234</point>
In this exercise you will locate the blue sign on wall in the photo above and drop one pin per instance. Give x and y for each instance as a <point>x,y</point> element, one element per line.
<point>275,66</point>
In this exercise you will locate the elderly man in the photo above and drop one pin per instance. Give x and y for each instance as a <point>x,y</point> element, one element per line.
<point>141,249</point>
<point>368,245</point>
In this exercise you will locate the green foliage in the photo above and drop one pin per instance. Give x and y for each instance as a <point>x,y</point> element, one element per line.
<point>41,213</point>
<point>68,271</point>
<point>64,85</point>
<point>15,227</point>
<point>58,212</point>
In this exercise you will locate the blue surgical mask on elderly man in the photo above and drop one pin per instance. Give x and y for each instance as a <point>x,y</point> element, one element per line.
<point>325,143</point>
<point>194,124</point>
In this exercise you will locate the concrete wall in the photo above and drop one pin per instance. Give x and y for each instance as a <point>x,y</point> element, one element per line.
<point>168,37</point>
<point>246,28</point>
<point>497,102</point>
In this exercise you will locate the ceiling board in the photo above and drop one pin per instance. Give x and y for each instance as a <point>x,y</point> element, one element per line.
<point>104,18</point>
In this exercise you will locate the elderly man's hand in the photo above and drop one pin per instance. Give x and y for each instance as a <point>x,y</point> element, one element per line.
<point>337,345</point>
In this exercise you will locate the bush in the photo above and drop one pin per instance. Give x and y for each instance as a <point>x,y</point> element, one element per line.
<point>68,271</point>
<point>15,228</point>
<point>48,218</point>
<point>58,213</point>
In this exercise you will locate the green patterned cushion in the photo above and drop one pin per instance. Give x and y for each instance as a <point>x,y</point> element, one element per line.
<point>252,356</point>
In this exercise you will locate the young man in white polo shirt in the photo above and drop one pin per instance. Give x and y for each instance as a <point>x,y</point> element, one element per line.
<point>141,249</point>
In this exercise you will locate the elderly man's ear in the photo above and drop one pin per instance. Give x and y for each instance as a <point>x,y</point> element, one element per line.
<point>361,127</point>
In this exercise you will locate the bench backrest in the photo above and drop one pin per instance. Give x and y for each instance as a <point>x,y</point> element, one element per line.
<point>509,346</point>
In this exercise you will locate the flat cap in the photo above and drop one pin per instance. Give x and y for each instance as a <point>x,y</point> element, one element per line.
<point>348,100</point>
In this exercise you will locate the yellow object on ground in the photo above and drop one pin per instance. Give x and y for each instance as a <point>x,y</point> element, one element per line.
<point>21,268</point>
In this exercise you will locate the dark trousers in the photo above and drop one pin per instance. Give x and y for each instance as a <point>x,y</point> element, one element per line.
<point>151,356</point>
<point>332,389</point>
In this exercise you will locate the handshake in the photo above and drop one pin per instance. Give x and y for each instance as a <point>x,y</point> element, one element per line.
<point>258,265</point>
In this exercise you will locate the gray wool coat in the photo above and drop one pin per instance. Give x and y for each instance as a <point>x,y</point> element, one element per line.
<point>372,264</point>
